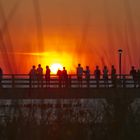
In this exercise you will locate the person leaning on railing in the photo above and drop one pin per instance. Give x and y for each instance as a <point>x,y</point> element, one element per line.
<point>113,76</point>
<point>138,77</point>
<point>105,76</point>
<point>64,77</point>
<point>97,74</point>
<point>1,75</point>
<point>133,73</point>
<point>79,73</point>
<point>87,75</point>
<point>47,76</point>
<point>40,75</point>
<point>32,74</point>
<point>59,74</point>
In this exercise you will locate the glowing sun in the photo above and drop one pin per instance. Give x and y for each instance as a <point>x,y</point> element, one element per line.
<point>54,68</point>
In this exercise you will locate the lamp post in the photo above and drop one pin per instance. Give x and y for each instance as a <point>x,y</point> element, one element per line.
<point>120,62</point>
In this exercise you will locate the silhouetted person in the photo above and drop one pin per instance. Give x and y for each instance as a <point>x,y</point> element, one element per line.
<point>1,75</point>
<point>87,75</point>
<point>113,76</point>
<point>138,77</point>
<point>32,74</point>
<point>64,77</point>
<point>79,74</point>
<point>47,76</point>
<point>40,75</point>
<point>133,73</point>
<point>97,74</point>
<point>59,73</point>
<point>105,76</point>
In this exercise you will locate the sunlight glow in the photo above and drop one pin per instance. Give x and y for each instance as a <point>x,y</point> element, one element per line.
<point>54,68</point>
<point>52,59</point>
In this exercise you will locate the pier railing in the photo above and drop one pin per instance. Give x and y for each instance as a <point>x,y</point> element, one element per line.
<point>24,81</point>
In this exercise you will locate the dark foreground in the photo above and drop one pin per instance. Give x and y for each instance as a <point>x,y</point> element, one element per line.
<point>109,120</point>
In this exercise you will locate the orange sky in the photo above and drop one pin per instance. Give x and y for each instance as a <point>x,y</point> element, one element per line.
<point>68,32</point>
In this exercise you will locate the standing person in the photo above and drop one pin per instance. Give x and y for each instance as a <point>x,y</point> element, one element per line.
<point>47,76</point>
<point>64,77</point>
<point>113,76</point>
<point>79,74</point>
<point>105,76</point>
<point>133,73</point>
<point>87,75</point>
<point>97,74</point>
<point>40,75</point>
<point>138,77</point>
<point>1,75</point>
<point>59,73</point>
<point>32,74</point>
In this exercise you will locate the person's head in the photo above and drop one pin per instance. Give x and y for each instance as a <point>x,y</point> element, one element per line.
<point>47,67</point>
<point>63,68</point>
<point>105,67</point>
<point>33,66</point>
<point>39,65</point>
<point>87,67</point>
<point>97,67</point>
<point>132,67</point>
<point>112,66</point>
<point>79,65</point>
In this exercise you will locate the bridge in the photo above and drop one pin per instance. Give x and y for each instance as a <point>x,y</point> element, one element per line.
<point>20,86</point>
<point>16,88</point>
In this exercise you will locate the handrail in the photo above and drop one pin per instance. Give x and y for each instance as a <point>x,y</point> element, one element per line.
<point>24,81</point>
<point>72,75</point>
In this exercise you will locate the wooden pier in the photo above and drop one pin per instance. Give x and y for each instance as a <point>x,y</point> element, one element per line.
<point>19,87</point>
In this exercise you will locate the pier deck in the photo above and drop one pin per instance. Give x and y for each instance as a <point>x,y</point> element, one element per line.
<point>19,87</point>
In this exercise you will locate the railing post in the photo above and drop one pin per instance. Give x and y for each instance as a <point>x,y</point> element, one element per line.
<point>69,81</point>
<point>124,81</point>
<point>13,81</point>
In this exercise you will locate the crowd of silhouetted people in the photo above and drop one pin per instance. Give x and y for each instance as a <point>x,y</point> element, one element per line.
<point>105,75</point>
<point>37,74</point>
<point>97,74</point>
<point>65,79</point>
<point>37,77</point>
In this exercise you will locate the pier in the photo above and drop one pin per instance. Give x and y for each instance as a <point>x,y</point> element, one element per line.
<point>19,86</point>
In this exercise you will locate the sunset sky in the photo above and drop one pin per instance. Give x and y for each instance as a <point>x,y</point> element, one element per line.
<point>68,32</point>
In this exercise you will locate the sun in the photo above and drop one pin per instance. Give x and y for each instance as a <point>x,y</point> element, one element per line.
<point>54,67</point>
